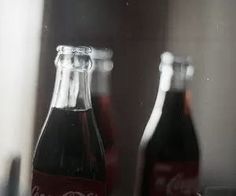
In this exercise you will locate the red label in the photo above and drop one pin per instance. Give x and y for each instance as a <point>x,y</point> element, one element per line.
<point>52,185</point>
<point>174,179</point>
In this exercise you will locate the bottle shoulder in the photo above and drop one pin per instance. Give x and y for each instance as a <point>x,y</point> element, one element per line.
<point>69,143</point>
<point>174,137</point>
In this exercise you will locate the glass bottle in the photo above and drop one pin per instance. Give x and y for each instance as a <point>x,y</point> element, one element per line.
<point>102,106</point>
<point>168,160</point>
<point>69,157</point>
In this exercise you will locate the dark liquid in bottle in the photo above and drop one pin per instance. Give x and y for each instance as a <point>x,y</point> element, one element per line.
<point>102,111</point>
<point>171,157</point>
<point>70,146</point>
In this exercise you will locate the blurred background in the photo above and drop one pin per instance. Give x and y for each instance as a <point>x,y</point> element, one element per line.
<point>138,31</point>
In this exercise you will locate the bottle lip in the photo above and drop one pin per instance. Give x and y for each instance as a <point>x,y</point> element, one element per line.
<point>175,69</point>
<point>94,53</point>
<point>67,49</point>
<point>169,59</point>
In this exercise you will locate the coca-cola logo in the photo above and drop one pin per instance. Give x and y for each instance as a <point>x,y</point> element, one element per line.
<point>71,193</point>
<point>36,192</point>
<point>180,184</point>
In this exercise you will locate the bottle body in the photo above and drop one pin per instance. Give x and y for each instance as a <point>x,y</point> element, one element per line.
<point>102,106</point>
<point>168,160</point>
<point>69,157</point>
<point>69,148</point>
<point>171,165</point>
<point>102,110</point>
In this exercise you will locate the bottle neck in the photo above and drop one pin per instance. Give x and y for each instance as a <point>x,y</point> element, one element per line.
<point>175,103</point>
<point>177,84</point>
<point>71,91</point>
<point>100,85</point>
<point>172,91</point>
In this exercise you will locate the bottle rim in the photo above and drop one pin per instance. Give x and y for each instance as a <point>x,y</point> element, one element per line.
<point>168,59</point>
<point>94,53</point>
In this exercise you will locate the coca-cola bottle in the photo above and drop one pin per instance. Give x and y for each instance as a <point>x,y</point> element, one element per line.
<point>69,157</point>
<point>102,106</point>
<point>168,159</point>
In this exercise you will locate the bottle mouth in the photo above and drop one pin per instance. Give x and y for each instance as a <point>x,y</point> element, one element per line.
<point>168,58</point>
<point>177,64</point>
<point>81,50</point>
<point>81,58</point>
<point>93,53</point>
